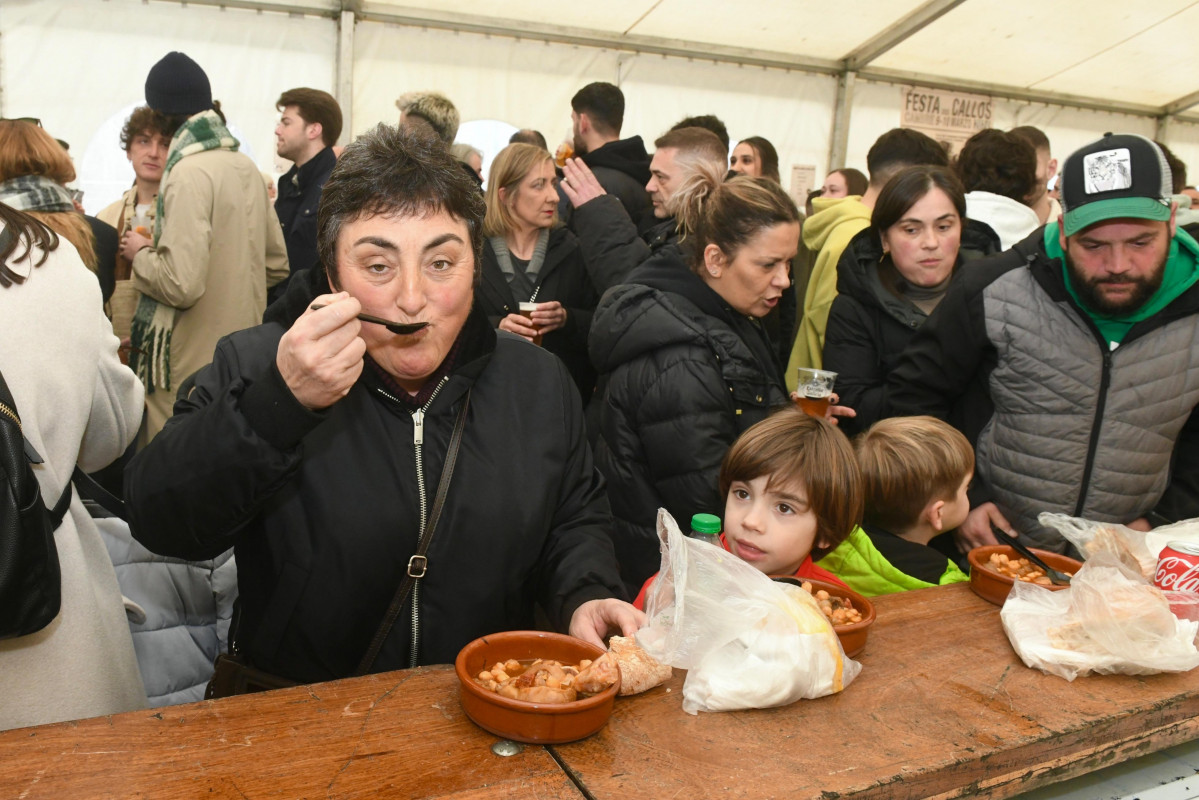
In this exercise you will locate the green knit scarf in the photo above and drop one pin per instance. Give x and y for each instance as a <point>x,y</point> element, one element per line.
<point>153,322</point>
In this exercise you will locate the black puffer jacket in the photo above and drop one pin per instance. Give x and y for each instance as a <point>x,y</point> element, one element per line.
<point>685,375</point>
<point>611,242</point>
<point>323,507</point>
<point>622,168</point>
<point>563,277</point>
<point>869,326</point>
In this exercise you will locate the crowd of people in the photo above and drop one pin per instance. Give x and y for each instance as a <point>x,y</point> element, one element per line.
<point>409,411</point>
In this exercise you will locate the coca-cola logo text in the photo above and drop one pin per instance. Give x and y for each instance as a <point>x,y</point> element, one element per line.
<point>1178,574</point>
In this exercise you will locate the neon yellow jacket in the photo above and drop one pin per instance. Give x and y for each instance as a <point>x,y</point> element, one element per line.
<point>836,221</point>
<point>858,563</point>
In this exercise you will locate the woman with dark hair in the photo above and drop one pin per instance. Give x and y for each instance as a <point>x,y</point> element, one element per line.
<point>78,406</point>
<point>844,182</point>
<point>529,258</point>
<point>325,449</point>
<point>890,278</point>
<point>688,366</point>
<point>755,157</point>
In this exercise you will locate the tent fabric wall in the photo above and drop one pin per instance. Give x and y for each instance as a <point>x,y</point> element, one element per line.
<point>876,108</point>
<point>78,64</point>
<point>793,110</point>
<point>526,83</point>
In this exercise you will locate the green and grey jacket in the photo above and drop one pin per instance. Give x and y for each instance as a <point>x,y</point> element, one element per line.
<point>1060,421</point>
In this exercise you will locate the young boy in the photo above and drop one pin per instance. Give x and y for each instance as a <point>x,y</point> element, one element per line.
<point>915,472</point>
<point>792,492</point>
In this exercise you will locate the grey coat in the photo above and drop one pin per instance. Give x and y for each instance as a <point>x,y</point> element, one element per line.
<point>1060,421</point>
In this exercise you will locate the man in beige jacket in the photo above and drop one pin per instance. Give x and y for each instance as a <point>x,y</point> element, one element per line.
<point>217,244</point>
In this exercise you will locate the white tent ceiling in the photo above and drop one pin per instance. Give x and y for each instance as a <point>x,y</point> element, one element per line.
<point>1124,56</point>
<point>820,78</point>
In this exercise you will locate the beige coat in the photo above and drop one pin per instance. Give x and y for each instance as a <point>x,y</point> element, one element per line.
<point>78,404</point>
<point>221,247</point>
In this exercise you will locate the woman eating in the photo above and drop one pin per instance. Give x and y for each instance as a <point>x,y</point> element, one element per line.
<point>322,448</point>
<point>687,364</point>
<point>529,258</point>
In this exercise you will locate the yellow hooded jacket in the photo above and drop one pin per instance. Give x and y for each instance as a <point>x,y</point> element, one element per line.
<point>836,221</point>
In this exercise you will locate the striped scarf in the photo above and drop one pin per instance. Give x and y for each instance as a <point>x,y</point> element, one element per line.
<point>35,193</point>
<point>153,322</point>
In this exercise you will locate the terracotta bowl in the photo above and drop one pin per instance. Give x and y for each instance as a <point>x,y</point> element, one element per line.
<point>852,636</point>
<point>535,723</point>
<point>994,587</point>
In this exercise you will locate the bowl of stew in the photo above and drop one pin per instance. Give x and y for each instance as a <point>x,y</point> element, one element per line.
<point>524,721</point>
<point>995,568</point>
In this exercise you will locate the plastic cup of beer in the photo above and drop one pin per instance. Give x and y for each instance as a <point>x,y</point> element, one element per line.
<point>526,311</point>
<point>140,224</point>
<point>815,390</point>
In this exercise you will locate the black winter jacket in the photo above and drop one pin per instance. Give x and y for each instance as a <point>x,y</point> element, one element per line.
<point>323,507</point>
<point>869,326</point>
<point>298,199</point>
<point>622,168</point>
<point>563,277</point>
<point>685,375</point>
<point>611,243</point>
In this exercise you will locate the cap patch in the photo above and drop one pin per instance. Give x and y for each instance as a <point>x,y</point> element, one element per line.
<point>1107,171</point>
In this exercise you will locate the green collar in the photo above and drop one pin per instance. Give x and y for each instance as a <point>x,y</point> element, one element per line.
<point>1182,271</point>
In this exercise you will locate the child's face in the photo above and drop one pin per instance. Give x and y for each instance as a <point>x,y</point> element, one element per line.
<point>955,511</point>
<point>772,530</point>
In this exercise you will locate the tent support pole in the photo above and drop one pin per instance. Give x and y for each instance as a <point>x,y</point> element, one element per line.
<point>345,72</point>
<point>839,143</point>
<point>1163,128</point>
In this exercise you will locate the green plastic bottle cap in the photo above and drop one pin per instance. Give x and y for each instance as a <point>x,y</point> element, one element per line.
<point>708,524</point>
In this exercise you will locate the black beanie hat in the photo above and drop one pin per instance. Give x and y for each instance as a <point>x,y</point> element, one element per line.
<point>178,85</point>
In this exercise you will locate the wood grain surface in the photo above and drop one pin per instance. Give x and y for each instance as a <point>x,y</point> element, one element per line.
<point>943,708</point>
<point>399,734</point>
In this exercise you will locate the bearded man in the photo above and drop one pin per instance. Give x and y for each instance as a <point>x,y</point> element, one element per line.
<point>1071,361</point>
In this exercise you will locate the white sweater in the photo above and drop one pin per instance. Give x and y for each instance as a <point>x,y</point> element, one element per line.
<point>78,404</point>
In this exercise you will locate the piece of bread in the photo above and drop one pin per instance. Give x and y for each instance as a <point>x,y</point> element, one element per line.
<point>639,671</point>
<point>1110,540</point>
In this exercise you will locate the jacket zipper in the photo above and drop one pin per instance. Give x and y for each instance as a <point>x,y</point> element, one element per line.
<point>418,440</point>
<point>8,412</point>
<point>1104,381</point>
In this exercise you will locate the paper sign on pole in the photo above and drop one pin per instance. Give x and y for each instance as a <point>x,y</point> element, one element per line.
<point>803,180</point>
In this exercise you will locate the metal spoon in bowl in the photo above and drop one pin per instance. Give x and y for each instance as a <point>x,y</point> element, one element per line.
<point>401,328</point>
<point>1056,577</point>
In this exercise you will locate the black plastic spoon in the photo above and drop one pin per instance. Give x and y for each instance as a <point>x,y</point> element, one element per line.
<point>1056,577</point>
<point>401,328</point>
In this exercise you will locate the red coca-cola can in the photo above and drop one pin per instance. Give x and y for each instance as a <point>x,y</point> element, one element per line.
<point>1178,568</point>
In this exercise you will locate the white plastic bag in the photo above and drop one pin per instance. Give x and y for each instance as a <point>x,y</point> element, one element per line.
<point>1136,549</point>
<point>1109,621</point>
<point>746,641</point>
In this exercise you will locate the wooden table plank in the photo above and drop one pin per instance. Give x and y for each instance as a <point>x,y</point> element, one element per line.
<point>943,708</point>
<point>400,734</point>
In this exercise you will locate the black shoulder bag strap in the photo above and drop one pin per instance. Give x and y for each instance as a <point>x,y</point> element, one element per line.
<point>418,564</point>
